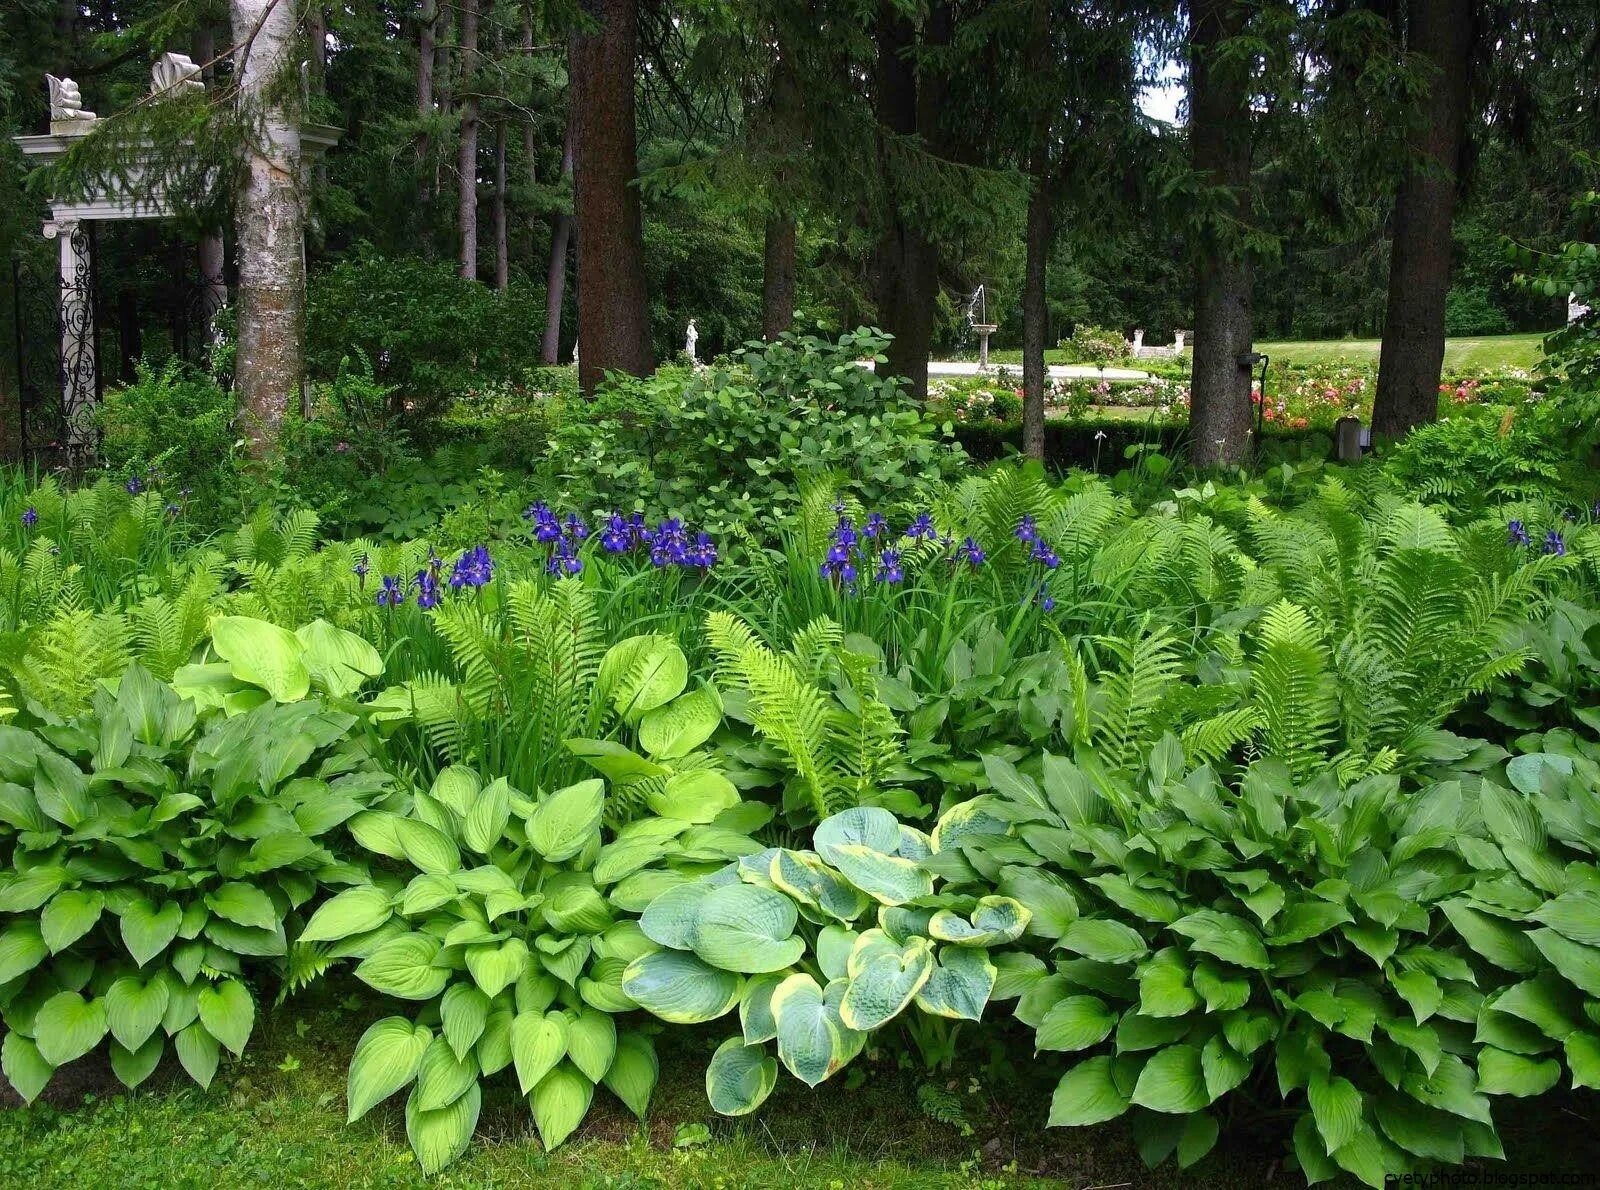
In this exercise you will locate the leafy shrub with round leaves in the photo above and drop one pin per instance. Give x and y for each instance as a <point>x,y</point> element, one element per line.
<point>817,949</point>
<point>511,921</point>
<point>153,854</point>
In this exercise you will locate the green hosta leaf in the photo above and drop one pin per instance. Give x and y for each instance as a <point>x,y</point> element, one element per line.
<point>559,1103</point>
<point>1574,915</point>
<point>1577,963</point>
<point>22,948</point>
<point>1087,1094</point>
<point>404,967</point>
<point>750,930</point>
<point>23,892</point>
<point>601,988</point>
<point>1363,1156</point>
<point>538,1042</point>
<point>147,930</point>
<point>427,848</point>
<point>263,655</point>
<point>494,1045</point>
<point>994,921</point>
<point>228,1013</point>
<point>386,1059</point>
<point>134,1009</point>
<point>804,876</point>
<point>132,1067</point>
<point>1104,941</point>
<point>1315,1164</point>
<point>1164,985</point>
<point>67,1026</point>
<point>463,1013</point>
<point>1336,1106</point>
<point>1200,1132</point>
<point>1420,990</point>
<point>243,904</point>
<point>614,761</point>
<point>682,725</point>
<point>884,985</point>
<point>812,1039</point>
<point>592,1043</point>
<point>1502,1073</point>
<point>198,1052</point>
<point>1305,920</point>
<point>1172,1081</point>
<point>354,911</point>
<point>1052,907</point>
<point>1583,1059</point>
<point>1421,1130</point>
<point>1452,1088</point>
<point>696,796</point>
<point>680,988</point>
<point>442,1078</point>
<point>642,673</point>
<point>486,820</point>
<point>960,985</point>
<point>70,915</point>
<point>339,662</point>
<point>1493,939</point>
<point>1229,938</point>
<point>25,1067</point>
<point>740,1077</point>
<point>562,824</point>
<point>633,1072</point>
<point>1222,1068</point>
<point>887,879</point>
<point>496,967</point>
<point>1075,1023</point>
<point>438,1137</point>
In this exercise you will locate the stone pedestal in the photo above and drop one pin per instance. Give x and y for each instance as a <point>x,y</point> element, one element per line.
<point>1347,440</point>
<point>984,330</point>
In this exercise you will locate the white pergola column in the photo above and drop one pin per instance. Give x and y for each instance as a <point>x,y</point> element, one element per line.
<point>78,363</point>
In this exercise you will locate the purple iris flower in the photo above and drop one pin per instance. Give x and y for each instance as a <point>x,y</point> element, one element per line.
<point>361,569</point>
<point>30,517</point>
<point>876,526</point>
<point>1516,534</point>
<point>427,584</point>
<point>971,552</point>
<point>133,485</point>
<point>889,569</point>
<point>545,525</point>
<point>393,592</point>
<point>1554,545</point>
<point>474,568</point>
<point>1027,531</point>
<point>1044,555</point>
<point>922,527</point>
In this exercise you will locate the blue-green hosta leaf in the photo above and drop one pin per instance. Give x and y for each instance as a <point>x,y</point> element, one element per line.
<point>132,1067</point>
<point>755,1008</point>
<point>1075,1023</point>
<point>682,725</point>
<point>22,948</point>
<point>1172,1081</point>
<point>994,921</point>
<point>869,945</point>
<point>804,876</point>
<point>881,989</point>
<point>871,827</point>
<point>813,1039</point>
<point>262,654</point>
<point>67,1026</point>
<point>1503,1073</point>
<point>680,988</point>
<point>670,918</point>
<point>495,967</point>
<point>835,944</point>
<point>339,662</point>
<point>746,929</point>
<point>642,673</point>
<point>24,1066</point>
<point>404,967</point>
<point>887,879</point>
<point>70,915</point>
<point>538,1042</point>
<point>559,1103</point>
<point>633,1072</point>
<point>438,1137</point>
<point>463,1013</point>
<point>1089,1093</point>
<point>134,1009</point>
<point>563,824</point>
<point>740,1077</point>
<point>592,1043</point>
<point>960,985</point>
<point>1231,939</point>
<point>386,1059</point>
<point>147,930</point>
<point>354,911</point>
<point>914,844</point>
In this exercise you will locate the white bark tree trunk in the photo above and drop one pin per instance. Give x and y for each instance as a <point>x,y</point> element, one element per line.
<point>269,226</point>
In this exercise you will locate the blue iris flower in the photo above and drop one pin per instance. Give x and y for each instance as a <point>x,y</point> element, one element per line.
<point>1516,534</point>
<point>1554,545</point>
<point>393,592</point>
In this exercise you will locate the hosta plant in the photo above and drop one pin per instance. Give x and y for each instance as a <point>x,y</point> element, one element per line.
<point>510,923</point>
<point>1286,939</point>
<point>818,949</point>
<point>153,854</point>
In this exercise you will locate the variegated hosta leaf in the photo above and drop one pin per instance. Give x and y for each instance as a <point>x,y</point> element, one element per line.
<point>959,987</point>
<point>755,1008</point>
<point>871,827</point>
<point>670,918</point>
<point>804,876</point>
<point>964,821</point>
<point>813,1040</point>
<point>680,987</point>
<point>888,879</point>
<point>994,921</point>
<point>742,928</point>
<point>740,1077</point>
<point>884,983</point>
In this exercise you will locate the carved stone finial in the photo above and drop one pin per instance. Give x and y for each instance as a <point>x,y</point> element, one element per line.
<point>66,107</point>
<point>175,74</point>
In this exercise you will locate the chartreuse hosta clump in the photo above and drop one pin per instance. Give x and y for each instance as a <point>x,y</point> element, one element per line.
<point>511,922</point>
<point>1288,937</point>
<point>260,660</point>
<point>153,853</point>
<point>817,949</point>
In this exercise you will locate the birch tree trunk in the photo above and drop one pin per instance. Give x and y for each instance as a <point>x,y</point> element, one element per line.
<point>269,226</point>
<point>1035,312</point>
<point>467,161</point>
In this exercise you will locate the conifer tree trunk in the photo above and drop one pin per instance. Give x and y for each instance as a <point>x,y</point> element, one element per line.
<point>613,317</point>
<point>467,160</point>
<point>1439,32</point>
<point>1219,141</point>
<point>427,31</point>
<point>502,258</point>
<point>1035,313</point>
<point>555,281</point>
<point>777,276</point>
<point>269,228</point>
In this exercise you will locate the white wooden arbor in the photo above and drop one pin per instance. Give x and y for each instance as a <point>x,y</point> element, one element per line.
<point>172,74</point>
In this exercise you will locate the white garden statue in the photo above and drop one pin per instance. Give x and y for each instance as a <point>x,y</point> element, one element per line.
<point>691,340</point>
<point>67,114</point>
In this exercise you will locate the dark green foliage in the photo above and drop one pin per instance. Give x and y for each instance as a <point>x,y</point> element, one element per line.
<point>177,423</point>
